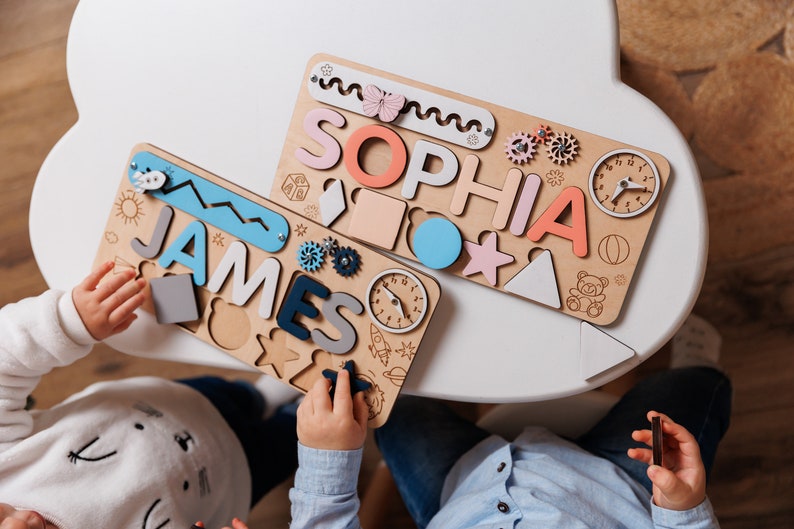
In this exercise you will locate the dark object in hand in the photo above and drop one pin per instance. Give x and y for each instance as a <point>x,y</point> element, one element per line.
<point>656,432</point>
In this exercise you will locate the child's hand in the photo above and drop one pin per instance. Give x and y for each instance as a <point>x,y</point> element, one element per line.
<point>679,484</point>
<point>337,425</point>
<point>108,309</point>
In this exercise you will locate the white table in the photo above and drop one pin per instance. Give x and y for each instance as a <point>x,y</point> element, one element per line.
<point>216,85</point>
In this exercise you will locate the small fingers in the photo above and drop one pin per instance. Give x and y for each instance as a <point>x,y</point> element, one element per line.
<point>111,285</point>
<point>119,290</point>
<point>360,409</point>
<point>92,280</point>
<point>125,302</point>
<point>642,455</point>
<point>343,401</point>
<point>320,398</point>
<point>675,434</point>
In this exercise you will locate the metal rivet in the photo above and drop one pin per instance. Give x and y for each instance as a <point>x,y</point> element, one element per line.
<point>282,237</point>
<point>345,261</point>
<point>489,132</point>
<point>521,147</point>
<point>133,165</point>
<point>313,78</point>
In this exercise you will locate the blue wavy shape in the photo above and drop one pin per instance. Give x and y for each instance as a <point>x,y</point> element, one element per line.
<point>211,203</point>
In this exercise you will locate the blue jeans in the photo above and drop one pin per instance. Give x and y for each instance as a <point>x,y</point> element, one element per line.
<point>271,446</point>
<point>423,438</point>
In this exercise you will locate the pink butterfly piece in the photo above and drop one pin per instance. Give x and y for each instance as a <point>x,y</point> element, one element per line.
<point>378,103</point>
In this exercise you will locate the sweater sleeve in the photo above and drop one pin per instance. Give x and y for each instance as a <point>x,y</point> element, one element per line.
<point>36,335</point>
<point>699,517</point>
<point>325,491</point>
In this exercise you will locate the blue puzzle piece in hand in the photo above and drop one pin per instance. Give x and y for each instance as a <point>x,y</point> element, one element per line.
<point>356,385</point>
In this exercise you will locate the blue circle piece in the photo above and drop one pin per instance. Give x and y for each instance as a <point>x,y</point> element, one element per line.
<point>437,243</point>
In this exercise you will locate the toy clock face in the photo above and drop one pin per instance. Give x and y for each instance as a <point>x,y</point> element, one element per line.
<point>624,183</point>
<point>396,300</point>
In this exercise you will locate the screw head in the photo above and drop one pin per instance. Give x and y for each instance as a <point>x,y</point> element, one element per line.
<point>313,78</point>
<point>282,237</point>
<point>133,165</point>
<point>489,132</point>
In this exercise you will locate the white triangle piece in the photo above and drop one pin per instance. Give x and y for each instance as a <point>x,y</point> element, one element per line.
<point>598,351</point>
<point>537,281</point>
<point>332,203</point>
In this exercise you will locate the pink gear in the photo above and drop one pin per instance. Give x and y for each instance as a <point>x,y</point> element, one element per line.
<point>519,148</point>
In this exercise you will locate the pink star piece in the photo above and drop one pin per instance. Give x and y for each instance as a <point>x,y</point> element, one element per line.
<point>485,258</point>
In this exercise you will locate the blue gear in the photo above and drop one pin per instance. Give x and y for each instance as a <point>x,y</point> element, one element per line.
<point>310,256</point>
<point>346,261</point>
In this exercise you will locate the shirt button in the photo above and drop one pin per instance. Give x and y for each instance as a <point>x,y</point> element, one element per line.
<point>503,507</point>
<point>501,467</point>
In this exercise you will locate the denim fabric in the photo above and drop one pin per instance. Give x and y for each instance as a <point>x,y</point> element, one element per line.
<point>270,445</point>
<point>420,442</point>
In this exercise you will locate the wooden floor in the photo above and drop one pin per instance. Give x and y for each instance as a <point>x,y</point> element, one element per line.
<point>749,286</point>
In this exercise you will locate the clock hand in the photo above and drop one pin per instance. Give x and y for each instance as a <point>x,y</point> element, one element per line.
<point>394,301</point>
<point>622,185</point>
<point>619,188</point>
<point>633,185</point>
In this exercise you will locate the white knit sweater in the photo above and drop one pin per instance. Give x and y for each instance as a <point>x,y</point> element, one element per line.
<point>135,453</point>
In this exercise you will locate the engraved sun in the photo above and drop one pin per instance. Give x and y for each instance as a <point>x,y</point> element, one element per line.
<point>128,207</point>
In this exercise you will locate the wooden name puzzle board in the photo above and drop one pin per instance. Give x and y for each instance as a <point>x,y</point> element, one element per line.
<point>514,202</point>
<point>281,293</point>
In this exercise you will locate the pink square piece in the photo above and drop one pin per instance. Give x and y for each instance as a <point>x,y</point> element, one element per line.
<point>376,218</point>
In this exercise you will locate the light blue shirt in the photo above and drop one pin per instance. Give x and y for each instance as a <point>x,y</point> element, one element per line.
<point>538,480</point>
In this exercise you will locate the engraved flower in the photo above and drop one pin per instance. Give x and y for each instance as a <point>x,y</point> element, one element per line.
<point>312,211</point>
<point>555,177</point>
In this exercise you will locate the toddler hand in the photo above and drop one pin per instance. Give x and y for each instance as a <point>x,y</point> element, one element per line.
<point>679,484</point>
<point>337,425</point>
<point>108,309</point>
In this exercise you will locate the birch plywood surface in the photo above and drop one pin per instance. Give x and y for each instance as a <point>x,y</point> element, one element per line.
<point>513,195</point>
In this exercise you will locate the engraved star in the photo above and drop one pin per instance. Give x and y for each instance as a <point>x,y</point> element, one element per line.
<point>407,349</point>
<point>485,258</point>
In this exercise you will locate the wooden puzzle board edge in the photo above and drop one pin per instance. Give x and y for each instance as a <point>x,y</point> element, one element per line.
<point>524,225</point>
<point>281,293</point>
